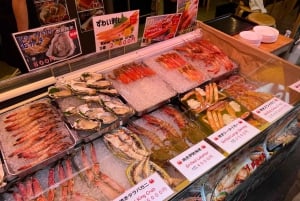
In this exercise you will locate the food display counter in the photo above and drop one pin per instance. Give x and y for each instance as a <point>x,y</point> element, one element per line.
<point>201,116</point>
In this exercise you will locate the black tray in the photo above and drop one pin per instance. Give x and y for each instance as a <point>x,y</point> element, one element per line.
<point>230,24</point>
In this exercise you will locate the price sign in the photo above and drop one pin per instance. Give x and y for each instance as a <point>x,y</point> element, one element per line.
<point>150,189</point>
<point>234,135</point>
<point>197,160</point>
<point>296,86</point>
<point>273,109</point>
<point>160,28</point>
<point>47,45</point>
<point>115,30</point>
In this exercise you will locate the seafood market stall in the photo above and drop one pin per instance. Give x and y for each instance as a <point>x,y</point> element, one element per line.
<point>199,116</point>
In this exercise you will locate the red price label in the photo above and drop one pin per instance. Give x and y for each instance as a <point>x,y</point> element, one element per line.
<point>73,34</point>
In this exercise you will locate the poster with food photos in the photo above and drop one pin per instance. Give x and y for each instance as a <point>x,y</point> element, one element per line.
<point>160,28</point>
<point>51,11</point>
<point>116,30</point>
<point>189,10</point>
<point>86,10</point>
<point>47,45</point>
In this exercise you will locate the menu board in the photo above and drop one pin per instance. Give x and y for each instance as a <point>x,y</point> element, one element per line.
<point>47,45</point>
<point>160,28</point>
<point>50,11</point>
<point>86,10</point>
<point>115,30</point>
<point>189,10</point>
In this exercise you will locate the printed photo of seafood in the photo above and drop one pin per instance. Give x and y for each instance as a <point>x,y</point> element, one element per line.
<point>83,5</point>
<point>51,11</point>
<point>47,45</point>
<point>116,30</point>
<point>86,18</point>
<point>32,136</point>
<point>189,10</point>
<point>160,28</point>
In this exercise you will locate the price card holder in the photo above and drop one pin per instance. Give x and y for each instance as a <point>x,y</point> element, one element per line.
<point>234,135</point>
<point>150,189</point>
<point>273,109</point>
<point>197,160</point>
<point>296,86</point>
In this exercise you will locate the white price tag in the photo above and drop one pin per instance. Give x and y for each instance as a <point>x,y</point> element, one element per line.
<point>296,86</point>
<point>197,160</point>
<point>234,135</point>
<point>273,109</point>
<point>150,189</point>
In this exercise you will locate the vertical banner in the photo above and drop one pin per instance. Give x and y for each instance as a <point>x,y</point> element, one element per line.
<point>48,45</point>
<point>86,10</point>
<point>189,10</point>
<point>160,28</point>
<point>116,30</point>
<point>51,11</point>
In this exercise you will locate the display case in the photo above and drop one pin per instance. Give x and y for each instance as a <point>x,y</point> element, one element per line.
<point>233,116</point>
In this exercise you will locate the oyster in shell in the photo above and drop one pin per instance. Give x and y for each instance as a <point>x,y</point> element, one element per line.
<point>86,124</point>
<point>91,76</point>
<point>81,88</point>
<point>90,99</point>
<point>116,105</point>
<point>59,91</point>
<point>109,91</point>
<point>98,84</point>
<point>97,114</point>
<point>70,111</point>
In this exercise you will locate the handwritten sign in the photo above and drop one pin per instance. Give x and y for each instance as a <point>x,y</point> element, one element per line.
<point>197,160</point>
<point>273,109</point>
<point>150,189</point>
<point>160,28</point>
<point>47,45</point>
<point>296,86</point>
<point>234,135</point>
<point>115,30</point>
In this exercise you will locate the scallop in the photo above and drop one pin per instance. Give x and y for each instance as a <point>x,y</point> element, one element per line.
<point>86,124</point>
<point>59,91</point>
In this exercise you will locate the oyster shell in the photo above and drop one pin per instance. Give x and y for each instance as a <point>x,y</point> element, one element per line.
<point>97,114</point>
<point>59,91</point>
<point>86,124</point>
<point>86,76</point>
<point>81,88</point>
<point>116,105</point>
<point>70,111</point>
<point>98,84</point>
<point>89,99</point>
<point>111,91</point>
<point>126,145</point>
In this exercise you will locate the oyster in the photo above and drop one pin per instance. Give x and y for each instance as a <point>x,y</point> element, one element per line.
<point>59,91</point>
<point>97,114</point>
<point>70,111</point>
<point>116,105</point>
<point>86,124</point>
<point>81,88</point>
<point>126,145</point>
<point>91,76</point>
<point>98,84</point>
<point>111,91</point>
<point>89,99</point>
